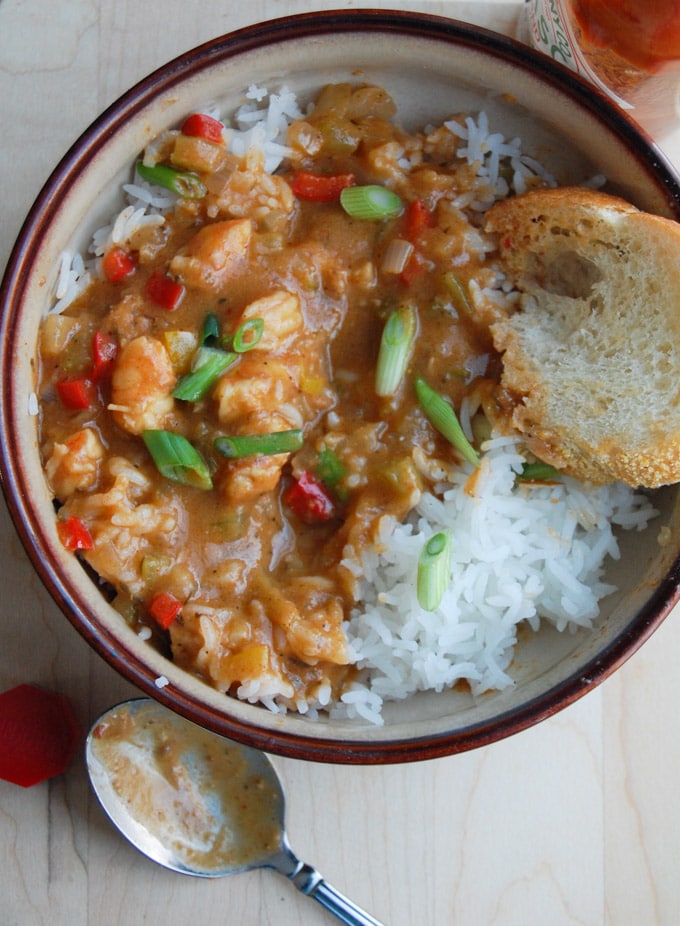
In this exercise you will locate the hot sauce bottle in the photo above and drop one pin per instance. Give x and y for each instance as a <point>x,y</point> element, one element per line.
<point>628,48</point>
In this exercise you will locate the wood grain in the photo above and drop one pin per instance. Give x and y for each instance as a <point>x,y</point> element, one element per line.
<point>571,823</point>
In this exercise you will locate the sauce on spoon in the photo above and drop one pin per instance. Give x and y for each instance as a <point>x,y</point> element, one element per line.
<point>195,791</point>
<point>198,803</point>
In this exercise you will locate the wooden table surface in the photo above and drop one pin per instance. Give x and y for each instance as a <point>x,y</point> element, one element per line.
<point>575,822</point>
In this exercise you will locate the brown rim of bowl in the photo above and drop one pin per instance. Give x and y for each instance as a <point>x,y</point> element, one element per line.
<point>17,490</point>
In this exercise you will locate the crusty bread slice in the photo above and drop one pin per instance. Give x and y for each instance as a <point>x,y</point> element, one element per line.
<point>592,354</point>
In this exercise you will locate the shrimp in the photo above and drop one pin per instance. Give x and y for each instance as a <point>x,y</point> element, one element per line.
<point>261,399</point>
<point>74,464</point>
<point>253,476</point>
<point>127,519</point>
<point>282,316</point>
<point>214,254</point>
<point>141,386</point>
<point>311,616</point>
<point>259,385</point>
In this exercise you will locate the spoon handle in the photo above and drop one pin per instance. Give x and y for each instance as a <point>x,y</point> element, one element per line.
<point>309,881</point>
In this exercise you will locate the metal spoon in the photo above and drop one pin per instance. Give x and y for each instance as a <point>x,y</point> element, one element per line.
<point>196,802</point>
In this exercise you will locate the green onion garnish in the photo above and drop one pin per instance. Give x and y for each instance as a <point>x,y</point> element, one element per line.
<point>248,335</point>
<point>434,570</point>
<point>210,332</point>
<point>370,202</point>
<point>249,445</point>
<point>443,418</point>
<point>395,350</point>
<point>329,468</point>
<point>209,363</point>
<point>182,182</point>
<point>538,472</point>
<point>177,459</point>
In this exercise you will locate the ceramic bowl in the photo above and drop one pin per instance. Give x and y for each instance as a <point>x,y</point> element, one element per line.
<point>433,67</point>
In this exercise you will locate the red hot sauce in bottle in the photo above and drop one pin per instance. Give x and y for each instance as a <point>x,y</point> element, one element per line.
<point>628,48</point>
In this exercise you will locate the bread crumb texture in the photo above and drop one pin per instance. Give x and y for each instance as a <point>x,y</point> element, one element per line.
<point>590,353</point>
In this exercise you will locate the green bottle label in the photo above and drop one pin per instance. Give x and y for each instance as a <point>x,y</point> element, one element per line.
<point>551,33</point>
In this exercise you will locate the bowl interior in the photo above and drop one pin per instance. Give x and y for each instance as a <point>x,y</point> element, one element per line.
<point>433,68</point>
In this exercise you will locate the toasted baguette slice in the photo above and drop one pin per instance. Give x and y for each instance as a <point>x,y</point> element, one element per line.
<point>592,356</point>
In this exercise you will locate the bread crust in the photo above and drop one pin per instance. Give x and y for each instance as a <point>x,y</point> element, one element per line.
<point>590,355</point>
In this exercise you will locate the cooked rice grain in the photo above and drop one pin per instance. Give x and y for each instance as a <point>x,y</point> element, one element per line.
<point>522,553</point>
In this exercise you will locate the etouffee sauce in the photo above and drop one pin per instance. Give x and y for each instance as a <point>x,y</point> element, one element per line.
<point>193,790</point>
<point>263,573</point>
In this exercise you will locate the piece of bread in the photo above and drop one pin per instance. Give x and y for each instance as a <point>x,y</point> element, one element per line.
<point>592,355</point>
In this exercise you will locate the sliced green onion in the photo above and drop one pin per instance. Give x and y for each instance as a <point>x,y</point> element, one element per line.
<point>248,335</point>
<point>330,469</point>
<point>250,445</point>
<point>182,182</point>
<point>538,472</point>
<point>210,332</point>
<point>395,350</point>
<point>442,416</point>
<point>208,365</point>
<point>458,293</point>
<point>177,459</point>
<point>434,571</point>
<point>370,202</point>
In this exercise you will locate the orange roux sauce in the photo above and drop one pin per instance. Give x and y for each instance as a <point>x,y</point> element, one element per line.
<point>644,32</point>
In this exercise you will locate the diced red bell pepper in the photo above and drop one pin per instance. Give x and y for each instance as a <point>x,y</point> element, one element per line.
<point>104,350</point>
<point>418,217</point>
<point>310,500</point>
<point>117,264</point>
<point>202,126</point>
<point>320,188</point>
<point>78,393</point>
<point>74,534</point>
<point>164,291</point>
<point>39,733</point>
<point>164,608</point>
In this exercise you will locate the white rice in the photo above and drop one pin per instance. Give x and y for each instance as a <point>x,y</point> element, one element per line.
<point>73,278</point>
<point>522,553</point>
<point>264,126</point>
<point>262,122</point>
<point>486,149</point>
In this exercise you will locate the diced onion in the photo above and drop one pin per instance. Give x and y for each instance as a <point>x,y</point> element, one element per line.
<point>396,256</point>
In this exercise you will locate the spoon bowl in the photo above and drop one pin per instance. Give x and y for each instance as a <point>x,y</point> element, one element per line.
<point>197,803</point>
